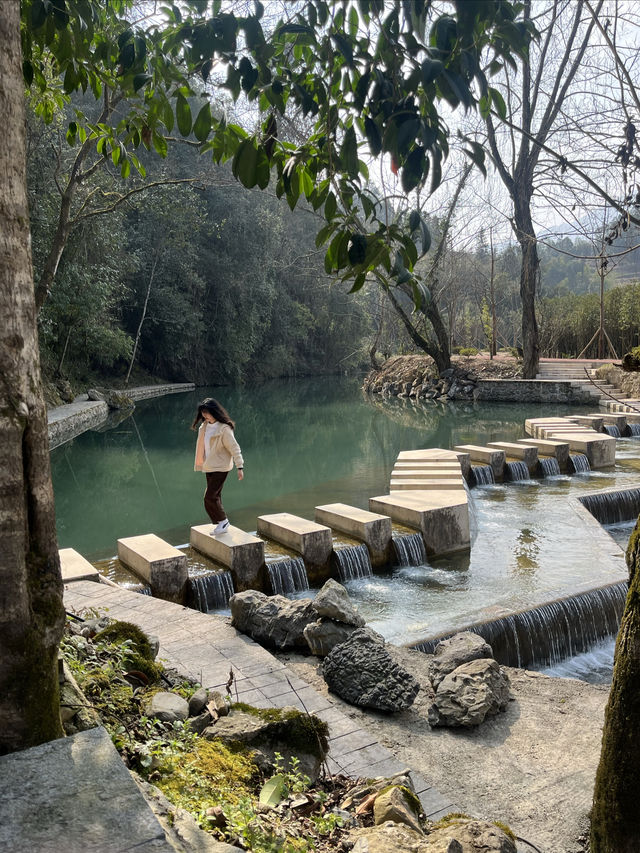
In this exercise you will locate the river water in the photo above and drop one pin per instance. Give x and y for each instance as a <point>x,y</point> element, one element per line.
<point>310,442</point>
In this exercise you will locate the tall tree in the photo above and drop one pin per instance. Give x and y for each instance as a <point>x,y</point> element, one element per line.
<point>32,615</point>
<point>539,98</point>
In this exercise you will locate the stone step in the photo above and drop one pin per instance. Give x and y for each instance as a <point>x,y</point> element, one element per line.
<point>408,483</point>
<point>526,452</point>
<point>74,567</point>
<point>369,527</point>
<point>594,422</point>
<point>441,516</point>
<point>549,447</point>
<point>619,420</point>
<point>487,455</point>
<point>436,454</point>
<point>427,473</point>
<point>312,541</point>
<point>240,552</point>
<point>600,449</point>
<point>157,562</point>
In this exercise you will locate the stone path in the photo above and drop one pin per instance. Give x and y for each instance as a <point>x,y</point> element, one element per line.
<point>206,647</point>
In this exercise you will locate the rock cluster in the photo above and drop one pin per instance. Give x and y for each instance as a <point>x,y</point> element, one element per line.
<point>454,383</point>
<point>304,625</point>
<point>469,685</point>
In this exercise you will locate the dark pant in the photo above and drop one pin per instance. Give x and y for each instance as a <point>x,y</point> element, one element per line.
<point>212,497</point>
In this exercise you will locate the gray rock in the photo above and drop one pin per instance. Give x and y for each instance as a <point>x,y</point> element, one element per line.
<point>272,620</point>
<point>399,805</point>
<point>390,838</point>
<point>478,836</point>
<point>167,707</point>
<point>200,723</point>
<point>198,701</point>
<point>218,703</point>
<point>362,672</point>
<point>267,736</point>
<point>94,394</point>
<point>333,602</point>
<point>450,654</point>
<point>469,694</point>
<point>324,634</point>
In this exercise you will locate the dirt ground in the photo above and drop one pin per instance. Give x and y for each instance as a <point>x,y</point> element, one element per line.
<point>532,766</point>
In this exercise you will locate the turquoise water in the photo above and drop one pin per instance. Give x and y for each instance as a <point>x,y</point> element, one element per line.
<point>312,442</point>
<point>305,443</point>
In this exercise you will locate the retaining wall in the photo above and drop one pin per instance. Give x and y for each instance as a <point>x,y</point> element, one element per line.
<point>531,391</point>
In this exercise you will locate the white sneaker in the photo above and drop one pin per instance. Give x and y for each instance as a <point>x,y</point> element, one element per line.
<point>221,527</point>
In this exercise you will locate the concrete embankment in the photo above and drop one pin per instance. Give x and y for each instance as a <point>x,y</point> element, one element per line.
<point>72,419</point>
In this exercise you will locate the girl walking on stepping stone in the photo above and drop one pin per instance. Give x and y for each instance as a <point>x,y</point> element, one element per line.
<point>216,453</point>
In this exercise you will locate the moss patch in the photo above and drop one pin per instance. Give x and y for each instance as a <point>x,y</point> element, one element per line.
<point>303,732</point>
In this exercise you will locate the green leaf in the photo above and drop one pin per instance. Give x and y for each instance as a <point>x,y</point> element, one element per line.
<point>344,47</point>
<point>430,69</point>
<point>407,131</point>
<point>274,790</point>
<point>414,220</point>
<point>349,153</point>
<point>183,115</point>
<point>498,102</point>
<point>425,235</point>
<point>330,207</point>
<point>374,137</point>
<point>202,124</point>
<point>414,169</point>
<point>358,282</point>
<point>140,80</point>
<point>250,165</point>
<point>27,72</point>
<point>160,144</point>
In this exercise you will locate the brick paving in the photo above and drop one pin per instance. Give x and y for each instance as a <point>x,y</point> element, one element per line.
<point>205,647</point>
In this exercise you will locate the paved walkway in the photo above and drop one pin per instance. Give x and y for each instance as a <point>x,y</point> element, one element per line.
<point>205,647</point>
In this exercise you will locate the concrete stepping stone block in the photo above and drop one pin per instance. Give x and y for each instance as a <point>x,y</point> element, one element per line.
<point>528,453</point>
<point>312,541</point>
<point>487,455</point>
<point>441,516</point>
<point>369,527</point>
<point>74,567</point>
<point>399,483</point>
<point>240,552</point>
<point>157,562</point>
<point>549,447</point>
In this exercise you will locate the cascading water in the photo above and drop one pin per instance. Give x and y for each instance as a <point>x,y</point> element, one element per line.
<point>142,588</point>
<point>612,430</point>
<point>482,475</point>
<point>352,561</point>
<point>517,470</point>
<point>548,634</point>
<point>634,430</point>
<point>579,462</point>
<point>210,591</point>
<point>549,466</point>
<point>288,576</point>
<point>408,549</point>
<point>613,507</point>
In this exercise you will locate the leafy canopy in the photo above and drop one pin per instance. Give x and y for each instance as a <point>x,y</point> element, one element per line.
<point>370,78</point>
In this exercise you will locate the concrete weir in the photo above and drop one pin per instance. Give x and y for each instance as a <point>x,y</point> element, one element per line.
<point>487,455</point>
<point>311,540</point>
<point>600,449</point>
<point>240,552</point>
<point>369,527</point>
<point>161,565</point>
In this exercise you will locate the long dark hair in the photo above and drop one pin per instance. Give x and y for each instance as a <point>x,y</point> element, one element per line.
<point>214,408</point>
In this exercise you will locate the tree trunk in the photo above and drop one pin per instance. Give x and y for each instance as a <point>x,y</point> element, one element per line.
<point>614,816</point>
<point>31,614</point>
<point>143,316</point>
<point>528,282</point>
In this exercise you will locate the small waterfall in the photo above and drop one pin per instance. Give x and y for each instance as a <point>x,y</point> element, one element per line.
<point>482,475</point>
<point>408,550</point>
<point>613,507</point>
<point>634,430</point>
<point>142,588</point>
<point>516,471</point>
<point>352,561</point>
<point>211,591</point>
<point>549,466</point>
<point>547,634</point>
<point>579,462</point>
<point>612,430</point>
<point>288,576</point>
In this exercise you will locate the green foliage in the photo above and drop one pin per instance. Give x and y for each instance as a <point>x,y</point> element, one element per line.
<point>369,89</point>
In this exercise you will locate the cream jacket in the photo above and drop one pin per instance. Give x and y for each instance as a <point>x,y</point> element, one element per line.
<point>223,450</point>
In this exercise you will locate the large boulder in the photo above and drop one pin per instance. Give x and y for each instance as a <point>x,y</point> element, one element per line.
<point>272,620</point>
<point>274,732</point>
<point>324,634</point>
<point>452,653</point>
<point>361,671</point>
<point>469,694</point>
<point>332,602</point>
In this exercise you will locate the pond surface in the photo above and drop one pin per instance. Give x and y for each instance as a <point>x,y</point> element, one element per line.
<point>312,442</point>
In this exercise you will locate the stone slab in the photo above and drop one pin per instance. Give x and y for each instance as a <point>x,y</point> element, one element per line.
<point>399,482</point>
<point>74,794</point>
<point>157,562</point>
<point>592,421</point>
<point>426,472</point>
<point>549,447</point>
<point>240,552</point>
<point>599,449</point>
<point>441,516</point>
<point>369,527</point>
<point>436,454</point>
<point>619,420</point>
<point>74,567</point>
<point>311,540</point>
<point>526,452</point>
<point>487,455</point>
